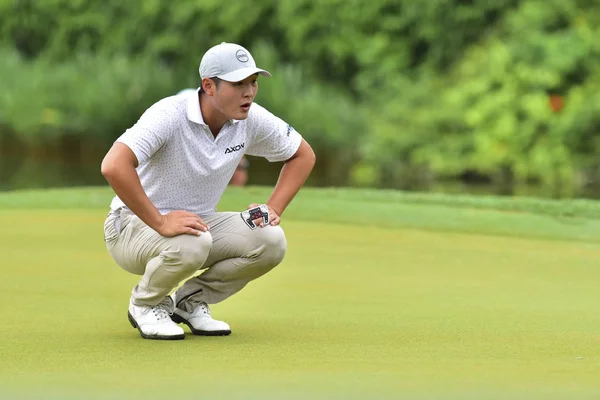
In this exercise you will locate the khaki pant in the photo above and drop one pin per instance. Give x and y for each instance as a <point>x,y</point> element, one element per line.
<point>231,254</point>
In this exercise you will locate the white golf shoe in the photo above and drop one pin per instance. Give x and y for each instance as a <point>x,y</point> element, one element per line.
<point>154,322</point>
<point>199,320</point>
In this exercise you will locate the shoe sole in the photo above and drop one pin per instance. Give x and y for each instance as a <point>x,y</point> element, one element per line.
<point>154,337</point>
<point>180,320</point>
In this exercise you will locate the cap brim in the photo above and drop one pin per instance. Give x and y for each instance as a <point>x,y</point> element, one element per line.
<point>243,73</point>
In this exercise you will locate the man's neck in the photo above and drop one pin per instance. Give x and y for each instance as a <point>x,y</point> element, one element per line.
<point>211,116</point>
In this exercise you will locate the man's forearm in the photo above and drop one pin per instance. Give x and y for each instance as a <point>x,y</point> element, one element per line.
<point>126,184</point>
<point>293,175</point>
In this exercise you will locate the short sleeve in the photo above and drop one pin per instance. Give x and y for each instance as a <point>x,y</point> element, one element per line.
<point>150,132</point>
<point>272,138</point>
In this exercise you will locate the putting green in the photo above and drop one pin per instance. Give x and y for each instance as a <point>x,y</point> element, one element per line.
<point>490,304</point>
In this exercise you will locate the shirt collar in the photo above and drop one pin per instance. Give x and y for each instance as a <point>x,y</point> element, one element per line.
<point>193,108</point>
<point>194,113</point>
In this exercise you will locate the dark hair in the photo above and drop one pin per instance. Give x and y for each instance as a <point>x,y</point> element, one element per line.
<point>216,80</point>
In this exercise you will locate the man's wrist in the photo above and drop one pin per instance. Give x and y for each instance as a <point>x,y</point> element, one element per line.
<point>276,208</point>
<point>156,221</point>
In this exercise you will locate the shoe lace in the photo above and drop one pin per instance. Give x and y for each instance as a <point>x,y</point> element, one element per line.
<point>162,311</point>
<point>198,304</point>
<point>204,307</point>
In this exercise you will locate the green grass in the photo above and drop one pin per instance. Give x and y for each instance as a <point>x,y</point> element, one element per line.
<point>423,296</point>
<point>558,219</point>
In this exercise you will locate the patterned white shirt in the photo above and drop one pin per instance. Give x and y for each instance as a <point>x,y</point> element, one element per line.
<point>182,166</point>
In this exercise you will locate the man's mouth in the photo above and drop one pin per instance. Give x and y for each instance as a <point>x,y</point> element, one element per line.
<point>246,106</point>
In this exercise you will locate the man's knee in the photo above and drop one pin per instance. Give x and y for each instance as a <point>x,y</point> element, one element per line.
<point>275,245</point>
<point>190,251</point>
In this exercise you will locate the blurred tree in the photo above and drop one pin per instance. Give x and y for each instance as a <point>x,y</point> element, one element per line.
<point>391,92</point>
<point>489,114</point>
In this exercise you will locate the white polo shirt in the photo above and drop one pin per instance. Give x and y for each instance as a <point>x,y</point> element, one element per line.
<point>180,163</point>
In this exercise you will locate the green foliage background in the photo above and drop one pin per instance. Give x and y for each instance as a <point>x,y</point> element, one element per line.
<point>390,93</point>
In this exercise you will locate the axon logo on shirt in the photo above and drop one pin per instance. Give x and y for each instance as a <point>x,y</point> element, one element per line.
<point>234,148</point>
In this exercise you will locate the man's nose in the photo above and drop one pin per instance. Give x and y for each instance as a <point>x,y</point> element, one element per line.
<point>249,92</point>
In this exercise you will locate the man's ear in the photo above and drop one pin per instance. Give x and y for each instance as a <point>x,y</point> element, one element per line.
<point>209,87</point>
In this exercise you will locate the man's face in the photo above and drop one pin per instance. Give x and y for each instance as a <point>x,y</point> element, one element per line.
<point>233,99</point>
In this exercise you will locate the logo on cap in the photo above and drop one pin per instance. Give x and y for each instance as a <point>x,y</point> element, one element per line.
<point>241,56</point>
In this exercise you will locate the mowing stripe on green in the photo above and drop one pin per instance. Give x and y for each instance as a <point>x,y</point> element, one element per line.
<point>552,219</point>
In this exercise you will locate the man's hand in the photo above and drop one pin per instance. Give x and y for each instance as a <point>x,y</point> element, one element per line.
<point>181,222</point>
<point>273,216</point>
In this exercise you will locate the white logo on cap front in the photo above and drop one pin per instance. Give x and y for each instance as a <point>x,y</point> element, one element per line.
<point>241,56</point>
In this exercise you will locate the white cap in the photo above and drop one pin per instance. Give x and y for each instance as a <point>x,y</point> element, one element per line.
<point>229,62</point>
